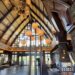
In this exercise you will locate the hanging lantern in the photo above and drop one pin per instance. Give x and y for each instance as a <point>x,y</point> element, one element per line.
<point>32,38</point>
<point>35,25</point>
<point>39,32</point>
<point>28,2</point>
<point>48,41</point>
<point>28,33</point>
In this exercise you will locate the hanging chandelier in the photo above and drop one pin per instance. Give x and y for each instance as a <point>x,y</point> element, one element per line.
<point>39,32</point>
<point>35,25</point>
<point>21,6</point>
<point>28,33</point>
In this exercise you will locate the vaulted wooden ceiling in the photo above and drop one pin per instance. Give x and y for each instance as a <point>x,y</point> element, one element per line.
<point>11,24</point>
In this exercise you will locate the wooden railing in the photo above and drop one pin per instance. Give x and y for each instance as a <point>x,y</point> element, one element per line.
<point>27,49</point>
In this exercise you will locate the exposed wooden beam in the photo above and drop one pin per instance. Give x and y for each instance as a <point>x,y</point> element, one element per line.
<point>5,5</point>
<point>58,22</point>
<point>46,16</point>
<point>47,35</point>
<point>9,26</point>
<point>5,15</point>
<point>8,8</point>
<point>4,46</point>
<point>40,17</point>
<point>54,48</point>
<point>63,33</point>
<point>13,49</point>
<point>40,11</point>
<point>18,35</point>
<point>43,22</point>
<point>15,30</point>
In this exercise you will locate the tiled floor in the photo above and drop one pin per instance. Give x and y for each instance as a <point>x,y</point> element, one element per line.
<point>20,70</point>
<point>15,71</point>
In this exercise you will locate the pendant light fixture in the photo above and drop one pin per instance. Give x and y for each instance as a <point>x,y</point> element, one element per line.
<point>39,32</point>
<point>28,33</point>
<point>35,25</point>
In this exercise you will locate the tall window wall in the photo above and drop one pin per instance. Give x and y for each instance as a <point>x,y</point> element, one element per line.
<point>24,41</point>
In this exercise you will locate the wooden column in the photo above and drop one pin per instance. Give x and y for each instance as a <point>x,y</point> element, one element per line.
<point>62,38</point>
<point>44,57</point>
<point>10,58</point>
<point>17,58</point>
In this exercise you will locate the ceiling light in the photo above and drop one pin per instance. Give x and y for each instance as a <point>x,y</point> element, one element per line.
<point>35,25</point>
<point>39,32</point>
